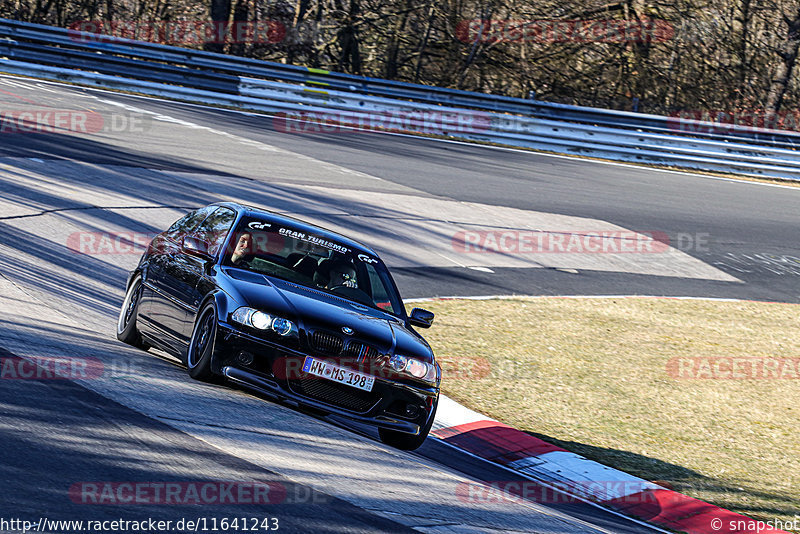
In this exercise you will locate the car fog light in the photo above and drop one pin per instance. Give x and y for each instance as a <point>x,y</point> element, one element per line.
<point>245,358</point>
<point>412,410</point>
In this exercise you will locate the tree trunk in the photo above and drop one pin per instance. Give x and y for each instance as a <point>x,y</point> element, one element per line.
<point>741,29</point>
<point>391,63</point>
<point>424,43</point>
<point>220,13</point>
<point>350,57</point>
<point>241,14</point>
<point>788,59</point>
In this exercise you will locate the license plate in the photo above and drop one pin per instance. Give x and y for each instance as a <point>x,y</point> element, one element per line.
<point>339,374</point>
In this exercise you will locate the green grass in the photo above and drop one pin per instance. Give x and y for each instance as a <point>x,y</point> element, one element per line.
<point>591,376</point>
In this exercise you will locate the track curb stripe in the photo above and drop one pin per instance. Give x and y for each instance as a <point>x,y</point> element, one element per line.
<point>495,441</point>
<point>620,491</point>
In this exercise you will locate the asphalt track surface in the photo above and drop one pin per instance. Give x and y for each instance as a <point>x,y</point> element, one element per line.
<point>145,421</point>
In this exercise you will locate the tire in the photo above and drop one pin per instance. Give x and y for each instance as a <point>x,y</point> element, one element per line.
<point>126,324</point>
<point>201,345</point>
<point>404,441</point>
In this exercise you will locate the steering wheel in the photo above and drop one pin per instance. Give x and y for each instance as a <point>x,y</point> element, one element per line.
<point>334,288</point>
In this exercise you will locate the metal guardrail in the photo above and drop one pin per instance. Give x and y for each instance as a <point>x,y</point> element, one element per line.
<point>168,71</point>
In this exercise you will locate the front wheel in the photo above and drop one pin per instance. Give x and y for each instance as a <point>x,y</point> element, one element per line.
<point>404,441</point>
<point>201,345</point>
<point>126,324</point>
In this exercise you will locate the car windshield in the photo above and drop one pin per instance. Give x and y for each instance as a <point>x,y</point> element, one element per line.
<point>314,261</point>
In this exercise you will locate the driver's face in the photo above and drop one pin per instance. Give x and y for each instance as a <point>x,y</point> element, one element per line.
<point>244,244</point>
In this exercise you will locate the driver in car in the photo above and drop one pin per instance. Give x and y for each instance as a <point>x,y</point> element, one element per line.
<point>242,254</point>
<point>343,274</point>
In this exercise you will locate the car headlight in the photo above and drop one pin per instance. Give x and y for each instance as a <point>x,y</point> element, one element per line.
<point>263,321</point>
<point>398,362</point>
<point>260,320</point>
<point>416,368</point>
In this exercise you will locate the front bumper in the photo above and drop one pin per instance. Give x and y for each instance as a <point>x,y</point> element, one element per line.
<point>260,365</point>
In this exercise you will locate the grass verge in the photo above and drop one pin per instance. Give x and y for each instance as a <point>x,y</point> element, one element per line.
<point>598,377</point>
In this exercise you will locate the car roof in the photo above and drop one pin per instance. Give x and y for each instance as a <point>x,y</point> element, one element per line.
<point>299,225</point>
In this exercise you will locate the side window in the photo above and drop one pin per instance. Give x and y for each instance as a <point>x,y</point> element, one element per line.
<point>215,228</point>
<point>378,290</point>
<point>186,224</point>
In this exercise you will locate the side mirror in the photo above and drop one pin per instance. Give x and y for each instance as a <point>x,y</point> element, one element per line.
<point>196,247</point>
<point>421,318</point>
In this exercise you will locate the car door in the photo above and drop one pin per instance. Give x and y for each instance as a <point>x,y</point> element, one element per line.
<point>161,304</point>
<point>190,271</point>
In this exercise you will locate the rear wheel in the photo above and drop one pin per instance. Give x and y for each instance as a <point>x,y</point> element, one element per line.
<point>201,345</point>
<point>404,441</point>
<point>126,324</point>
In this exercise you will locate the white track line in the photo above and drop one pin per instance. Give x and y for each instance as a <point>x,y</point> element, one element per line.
<point>529,297</point>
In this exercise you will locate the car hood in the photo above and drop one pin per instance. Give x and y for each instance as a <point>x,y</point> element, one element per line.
<point>313,309</point>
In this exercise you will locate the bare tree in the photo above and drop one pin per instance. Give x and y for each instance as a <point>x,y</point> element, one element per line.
<point>220,12</point>
<point>722,55</point>
<point>785,67</point>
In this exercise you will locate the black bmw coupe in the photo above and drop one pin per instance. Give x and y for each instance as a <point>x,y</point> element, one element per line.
<point>288,309</point>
